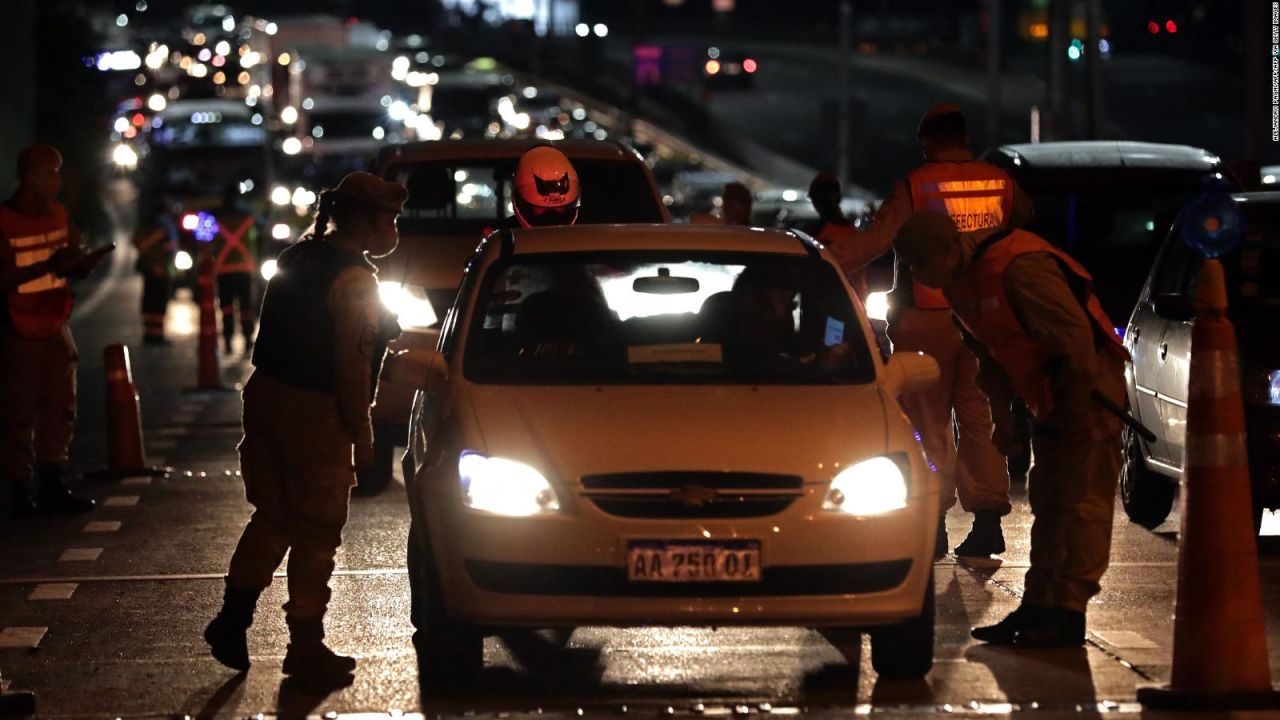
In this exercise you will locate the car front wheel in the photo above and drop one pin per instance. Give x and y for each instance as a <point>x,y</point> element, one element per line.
<point>905,651</point>
<point>1147,497</point>
<point>448,649</point>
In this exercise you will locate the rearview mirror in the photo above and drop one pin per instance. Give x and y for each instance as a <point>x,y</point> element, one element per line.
<point>1174,306</point>
<point>908,372</point>
<point>664,283</point>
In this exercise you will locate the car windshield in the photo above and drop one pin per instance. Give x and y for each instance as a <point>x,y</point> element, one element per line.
<point>208,130</point>
<point>1111,221</point>
<point>468,196</point>
<point>1252,268</point>
<point>338,124</point>
<point>665,318</point>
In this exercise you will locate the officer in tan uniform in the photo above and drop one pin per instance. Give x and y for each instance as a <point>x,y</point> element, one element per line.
<point>306,418</point>
<point>978,197</point>
<point>1041,334</point>
<point>39,249</point>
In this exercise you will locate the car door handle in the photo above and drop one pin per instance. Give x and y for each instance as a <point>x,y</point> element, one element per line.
<point>1164,350</point>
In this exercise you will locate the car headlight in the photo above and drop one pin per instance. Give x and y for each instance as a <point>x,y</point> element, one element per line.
<point>1262,387</point>
<point>182,260</point>
<point>269,269</point>
<point>409,303</point>
<point>871,487</point>
<point>877,306</point>
<point>504,487</point>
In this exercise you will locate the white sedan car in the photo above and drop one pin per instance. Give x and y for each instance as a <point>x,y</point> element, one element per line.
<point>664,425</point>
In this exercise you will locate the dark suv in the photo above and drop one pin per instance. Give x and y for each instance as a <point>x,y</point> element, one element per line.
<point>1159,338</point>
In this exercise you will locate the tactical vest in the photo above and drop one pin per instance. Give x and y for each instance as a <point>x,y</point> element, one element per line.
<point>976,195</point>
<point>38,308</point>
<point>234,253</point>
<point>296,343</point>
<point>982,306</point>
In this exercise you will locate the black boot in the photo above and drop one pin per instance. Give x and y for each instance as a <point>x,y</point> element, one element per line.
<point>1006,631</point>
<point>21,505</point>
<point>309,659</point>
<point>226,633</point>
<point>940,542</point>
<point>1054,628</point>
<point>54,495</point>
<point>985,538</point>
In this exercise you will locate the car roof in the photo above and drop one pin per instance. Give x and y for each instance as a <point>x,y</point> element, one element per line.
<point>503,148</point>
<point>682,236</point>
<point>1110,154</point>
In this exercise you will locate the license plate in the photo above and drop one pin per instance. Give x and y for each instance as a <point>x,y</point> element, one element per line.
<point>692,561</point>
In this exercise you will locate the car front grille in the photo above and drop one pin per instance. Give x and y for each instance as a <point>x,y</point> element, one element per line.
<point>680,495</point>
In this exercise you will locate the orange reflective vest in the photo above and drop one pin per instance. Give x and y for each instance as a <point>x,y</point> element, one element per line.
<point>976,195</point>
<point>39,308</point>
<point>233,254</point>
<point>833,234</point>
<point>982,306</point>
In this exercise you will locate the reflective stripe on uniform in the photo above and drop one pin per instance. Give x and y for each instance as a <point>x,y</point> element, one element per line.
<point>29,250</point>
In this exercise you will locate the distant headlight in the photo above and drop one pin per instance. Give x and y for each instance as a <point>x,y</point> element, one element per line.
<point>504,487</point>
<point>1262,387</point>
<point>268,269</point>
<point>182,260</point>
<point>125,157</point>
<point>409,303</point>
<point>871,487</point>
<point>878,306</point>
<point>281,231</point>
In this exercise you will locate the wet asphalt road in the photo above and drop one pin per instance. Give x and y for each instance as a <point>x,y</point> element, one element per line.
<point>131,585</point>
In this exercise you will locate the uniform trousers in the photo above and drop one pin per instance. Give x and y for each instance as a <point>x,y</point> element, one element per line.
<point>972,468</point>
<point>296,460</point>
<point>1072,490</point>
<point>37,401</point>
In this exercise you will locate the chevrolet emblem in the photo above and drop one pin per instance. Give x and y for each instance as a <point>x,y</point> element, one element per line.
<point>694,495</point>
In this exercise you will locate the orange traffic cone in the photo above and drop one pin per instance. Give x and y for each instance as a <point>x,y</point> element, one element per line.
<point>209,377</point>
<point>125,454</point>
<point>1219,636</point>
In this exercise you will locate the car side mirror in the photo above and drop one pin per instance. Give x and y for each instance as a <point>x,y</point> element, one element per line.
<point>1174,306</point>
<point>421,369</point>
<point>908,372</point>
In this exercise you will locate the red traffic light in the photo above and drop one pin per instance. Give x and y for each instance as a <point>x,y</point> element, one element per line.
<point>1171,26</point>
<point>1153,27</point>
<point>749,65</point>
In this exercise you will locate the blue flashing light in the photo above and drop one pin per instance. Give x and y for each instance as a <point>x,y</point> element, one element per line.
<point>206,227</point>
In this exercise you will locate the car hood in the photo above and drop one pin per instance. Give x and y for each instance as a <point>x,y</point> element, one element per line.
<point>569,432</point>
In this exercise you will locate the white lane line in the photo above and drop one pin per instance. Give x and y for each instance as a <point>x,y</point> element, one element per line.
<point>121,501</point>
<point>53,591</point>
<point>102,526</point>
<point>375,572</point>
<point>22,637</point>
<point>1126,640</point>
<point>80,555</point>
<point>133,481</point>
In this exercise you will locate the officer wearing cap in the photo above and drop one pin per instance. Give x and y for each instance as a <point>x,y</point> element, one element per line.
<point>322,339</point>
<point>978,197</point>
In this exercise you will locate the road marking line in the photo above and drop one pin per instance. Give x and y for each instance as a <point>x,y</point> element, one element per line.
<point>134,481</point>
<point>196,576</point>
<point>1125,640</point>
<point>80,555</point>
<point>102,526</point>
<point>22,637</point>
<point>53,591</point>
<point>121,501</point>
